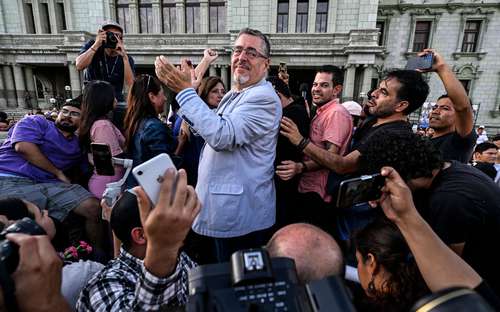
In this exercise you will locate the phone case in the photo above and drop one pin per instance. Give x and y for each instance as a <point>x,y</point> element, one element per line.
<point>150,175</point>
<point>359,190</point>
<point>420,62</point>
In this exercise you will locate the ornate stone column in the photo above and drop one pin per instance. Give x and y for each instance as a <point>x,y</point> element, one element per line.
<point>30,87</point>
<point>224,74</point>
<point>20,86</point>
<point>157,22</point>
<point>349,82</point>
<point>367,78</point>
<point>10,89</point>
<point>134,16</point>
<point>212,71</point>
<point>3,98</point>
<point>180,7</point>
<point>74,78</point>
<point>204,17</point>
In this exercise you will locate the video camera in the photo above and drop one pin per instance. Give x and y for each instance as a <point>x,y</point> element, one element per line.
<point>252,281</point>
<point>111,40</point>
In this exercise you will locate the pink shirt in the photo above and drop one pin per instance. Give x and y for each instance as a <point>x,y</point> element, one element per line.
<point>332,124</point>
<point>103,131</point>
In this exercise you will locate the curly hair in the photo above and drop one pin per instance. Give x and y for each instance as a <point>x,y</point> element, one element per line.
<point>404,284</point>
<point>410,154</point>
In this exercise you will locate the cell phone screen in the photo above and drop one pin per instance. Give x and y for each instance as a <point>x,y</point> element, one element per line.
<point>103,162</point>
<point>360,190</point>
<point>420,62</point>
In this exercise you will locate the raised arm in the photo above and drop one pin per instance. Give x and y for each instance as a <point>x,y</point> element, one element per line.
<point>85,58</point>
<point>464,121</point>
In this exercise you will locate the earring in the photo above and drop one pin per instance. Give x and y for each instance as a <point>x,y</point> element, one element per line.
<point>371,287</point>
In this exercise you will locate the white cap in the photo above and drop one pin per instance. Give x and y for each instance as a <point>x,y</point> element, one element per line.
<point>353,108</point>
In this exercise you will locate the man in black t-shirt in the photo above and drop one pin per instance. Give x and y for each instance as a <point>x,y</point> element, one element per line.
<point>458,201</point>
<point>452,116</point>
<point>398,95</point>
<point>286,190</point>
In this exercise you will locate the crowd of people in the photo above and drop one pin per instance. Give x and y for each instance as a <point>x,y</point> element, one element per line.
<point>256,166</point>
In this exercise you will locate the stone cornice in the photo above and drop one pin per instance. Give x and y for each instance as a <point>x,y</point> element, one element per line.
<point>450,7</point>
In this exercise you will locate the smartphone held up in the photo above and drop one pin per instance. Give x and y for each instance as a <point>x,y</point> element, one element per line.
<point>150,175</point>
<point>360,190</point>
<point>423,62</point>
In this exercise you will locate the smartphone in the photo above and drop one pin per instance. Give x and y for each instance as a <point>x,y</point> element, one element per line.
<point>103,160</point>
<point>360,190</point>
<point>423,62</point>
<point>282,67</point>
<point>150,175</point>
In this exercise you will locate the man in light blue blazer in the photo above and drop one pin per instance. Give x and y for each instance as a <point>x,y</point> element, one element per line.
<point>235,182</point>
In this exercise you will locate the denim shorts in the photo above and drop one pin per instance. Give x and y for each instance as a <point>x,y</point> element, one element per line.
<point>58,198</point>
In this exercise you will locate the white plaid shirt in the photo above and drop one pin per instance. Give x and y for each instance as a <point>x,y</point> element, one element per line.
<point>125,285</point>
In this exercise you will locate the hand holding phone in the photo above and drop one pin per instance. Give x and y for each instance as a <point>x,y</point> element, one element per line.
<point>360,190</point>
<point>423,62</point>
<point>103,162</point>
<point>150,175</point>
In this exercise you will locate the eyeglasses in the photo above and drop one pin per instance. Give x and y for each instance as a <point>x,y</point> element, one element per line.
<point>250,52</point>
<point>69,113</point>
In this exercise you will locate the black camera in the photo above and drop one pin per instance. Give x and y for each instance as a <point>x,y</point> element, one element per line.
<point>9,256</point>
<point>254,282</point>
<point>111,40</point>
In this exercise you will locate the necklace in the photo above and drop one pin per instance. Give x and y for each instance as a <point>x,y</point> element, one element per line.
<point>113,68</point>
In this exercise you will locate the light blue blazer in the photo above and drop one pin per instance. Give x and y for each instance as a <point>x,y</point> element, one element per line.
<point>235,176</point>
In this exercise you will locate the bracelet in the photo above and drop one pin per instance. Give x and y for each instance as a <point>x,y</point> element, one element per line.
<point>303,143</point>
<point>93,49</point>
<point>304,168</point>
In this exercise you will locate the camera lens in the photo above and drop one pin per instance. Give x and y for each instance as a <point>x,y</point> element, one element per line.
<point>139,172</point>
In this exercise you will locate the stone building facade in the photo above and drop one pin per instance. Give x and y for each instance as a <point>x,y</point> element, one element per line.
<point>40,40</point>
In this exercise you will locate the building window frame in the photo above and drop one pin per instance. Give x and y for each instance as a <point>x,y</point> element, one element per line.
<point>190,8</point>
<point>147,22</point>
<point>172,20</point>
<point>282,17</point>
<point>433,18</point>
<point>29,17</point>
<point>476,15</point>
<point>322,17</point>
<point>61,8</point>
<point>301,18</point>
<point>467,72</point>
<point>382,39</point>
<point>123,6</point>
<point>471,47</point>
<point>220,7</point>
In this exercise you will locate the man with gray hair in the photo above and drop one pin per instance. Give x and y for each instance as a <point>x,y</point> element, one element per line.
<point>316,254</point>
<point>235,179</point>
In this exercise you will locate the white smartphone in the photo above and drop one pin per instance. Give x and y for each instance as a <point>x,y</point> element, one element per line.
<point>150,175</point>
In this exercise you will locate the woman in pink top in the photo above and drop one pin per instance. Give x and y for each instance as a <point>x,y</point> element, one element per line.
<point>96,127</point>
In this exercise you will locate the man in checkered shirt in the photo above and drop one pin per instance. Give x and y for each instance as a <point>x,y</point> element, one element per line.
<point>149,273</point>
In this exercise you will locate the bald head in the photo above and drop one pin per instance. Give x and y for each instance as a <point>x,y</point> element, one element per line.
<point>316,253</point>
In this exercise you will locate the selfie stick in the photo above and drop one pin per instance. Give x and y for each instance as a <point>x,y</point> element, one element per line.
<point>114,189</point>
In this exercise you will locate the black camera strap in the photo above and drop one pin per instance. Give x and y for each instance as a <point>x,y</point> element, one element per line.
<point>9,289</point>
